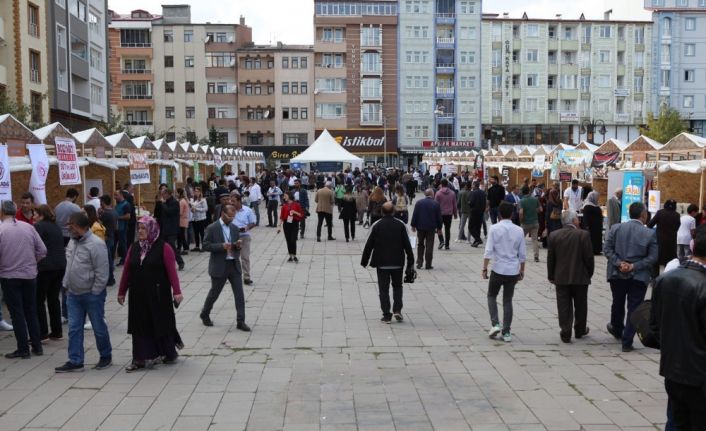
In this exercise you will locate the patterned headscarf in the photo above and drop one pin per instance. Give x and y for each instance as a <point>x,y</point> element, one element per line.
<point>152,234</point>
<point>592,199</point>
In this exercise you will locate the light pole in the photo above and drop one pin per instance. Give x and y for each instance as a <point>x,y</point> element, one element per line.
<point>588,127</point>
<point>384,140</point>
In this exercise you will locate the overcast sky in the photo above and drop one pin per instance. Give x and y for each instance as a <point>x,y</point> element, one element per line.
<point>291,21</point>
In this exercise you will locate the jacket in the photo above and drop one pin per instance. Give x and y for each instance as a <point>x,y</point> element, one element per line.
<point>169,217</point>
<point>496,194</point>
<point>463,198</point>
<point>634,243</point>
<point>613,211</point>
<point>213,241</point>
<point>388,243</point>
<point>53,240</point>
<point>426,215</point>
<point>324,200</point>
<point>477,201</point>
<point>348,208</point>
<point>447,200</point>
<point>678,320</point>
<point>570,257</point>
<point>303,198</point>
<point>86,265</point>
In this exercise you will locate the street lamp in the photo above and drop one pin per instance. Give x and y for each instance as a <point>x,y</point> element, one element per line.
<point>588,128</point>
<point>384,140</point>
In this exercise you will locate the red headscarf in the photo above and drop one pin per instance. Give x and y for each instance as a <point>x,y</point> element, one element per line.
<point>152,234</point>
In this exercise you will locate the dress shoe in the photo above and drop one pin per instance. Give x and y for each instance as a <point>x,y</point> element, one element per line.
<point>206,320</point>
<point>581,335</point>
<point>627,349</point>
<point>38,352</point>
<point>419,266</point>
<point>612,332</point>
<point>247,281</point>
<point>318,239</point>
<point>441,245</point>
<point>243,326</point>
<point>17,354</point>
<point>565,338</point>
<point>331,238</point>
<point>181,267</point>
<point>429,267</point>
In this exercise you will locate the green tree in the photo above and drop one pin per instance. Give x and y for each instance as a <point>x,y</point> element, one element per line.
<point>665,126</point>
<point>113,125</point>
<point>22,112</point>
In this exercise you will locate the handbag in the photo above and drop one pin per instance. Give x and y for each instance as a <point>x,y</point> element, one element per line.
<point>556,214</point>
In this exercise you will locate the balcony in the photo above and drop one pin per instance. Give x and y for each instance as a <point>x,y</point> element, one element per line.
<point>80,103</point>
<point>371,69</point>
<point>255,100</point>
<point>138,123</point>
<point>136,71</point>
<point>226,98</point>
<point>134,75</point>
<point>445,92</point>
<point>371,42</point>
<point>622,117</point>
<point>445,18</point>
<point>220,72</point>
<point>34,30</point>
<point>330,45</point>
<point>134,50</point>
<point>445,68</point>
<point>445,118</point>
<point>331,65</point>
<point>255,75</point>
<point>136,101</point>
<point>222,123</point>
<point>445,42</point>
<point>255,126</point>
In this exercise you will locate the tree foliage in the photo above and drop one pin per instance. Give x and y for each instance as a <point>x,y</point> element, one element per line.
<point>665,126</point>
<point>22,112</point>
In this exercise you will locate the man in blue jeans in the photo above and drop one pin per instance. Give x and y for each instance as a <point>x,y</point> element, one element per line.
<point>85,280</point>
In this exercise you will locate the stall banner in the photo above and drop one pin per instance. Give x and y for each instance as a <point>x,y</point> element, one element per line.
<point>5,179</point>
<point>218,160</point>
<point>139,170</point>
<point>40,170</point>
<point>163,175</point>
<point>578,162</point>
<point>69,172</point>
<point>633,186</point>
<point>197,172</point>
<point>653,201</point>
<point>538,168</point>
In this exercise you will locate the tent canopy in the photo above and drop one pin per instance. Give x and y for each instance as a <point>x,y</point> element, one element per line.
<point>326,149</point>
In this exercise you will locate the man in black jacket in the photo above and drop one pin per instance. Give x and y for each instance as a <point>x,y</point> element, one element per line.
<point>678,321</point>
<point>389,243</point>
<point>478,203</point>
<point>496,194</point>
<point>169,222</point>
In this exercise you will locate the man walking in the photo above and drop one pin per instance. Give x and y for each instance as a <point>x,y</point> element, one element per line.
<point>64,210</point>
<point>255,198</point>
<point>388,243</point>
<point>274,194</point>
<point>506,248</point>
<point>85,280</point>
<point>677,321</point>
<point>302,196</point>
<point>169,222</point>
<point>478,203</point>
<point>222,240</point>
<point>245,220</point>
<point>426,221</point>
<point>325,200</point>
<point>464,211</point>
<point>614,208</point>
<point>631,250</point>
<point>529,218</point>
<point>447,201</point>
<point>570,267</point>
<point>496,194</point>
<point>21,248</point>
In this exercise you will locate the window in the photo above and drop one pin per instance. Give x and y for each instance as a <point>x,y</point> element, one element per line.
<point>295,114</point>
<point>328,111</point>
<point>639,58</point>
<point>371,88</point>
<point>168,61</point>
<point>188,36</point>
<point>468,7</point>
<point>227,59</point>
<point>303,113</point>
<point>169,86</point>
<point>532,80</point>
<point>665,78</point>
<point>638,84</point>
<point>551,81</point>
<point>604,56</point>
<point>61,3</point>
<point>688,102</point>
<point>568,33</point>
<point>605,31</point>
<point>371,113</point>
<point>531,105</point>
<point>468,33</point>
<point>515,105</point>
<point>285,88</point>
<point>585,83</point>
<point>95,24</point>
<point>468,82</point>
<point>294,88</point>
<point>169,112</point>
<point>189,61</point>
<point>35,74</point>
<point>168,36</point>
<point>295,138</point>
<point>689,75</point>
<point>551,105</point>
<point>191,137</point>
<point>61,81</point>
<point>136,90</point>
<point>285,62</point>
<point>532,55</point>
<point>568,82</point>
<point>551,32</point>
<point>667,27</point>
<point>690,24</point>
<point>189,86</point>
<point>639,36</point>
<point>303,63</point>
<point>35,105</point>
<point>33,19</point>
<point>467,57</point>
<point>78,48</point>
<point>295,62</point>
<point>689,49</point>
<point>77,8</point>
<point>221,37</point>
<point>60,36</point>
<point>190,112</point>
<point>604,81</point>
<point>96,94</point>
<point>135,38</point>
<point>303,87</point>
<point>532,30</point>
<point>170,137</point>
<point>96,60</point>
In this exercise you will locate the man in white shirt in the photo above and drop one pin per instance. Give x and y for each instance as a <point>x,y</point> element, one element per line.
<point>255,198</point>
<point>572,197</point>
<point>686,231</point>
<point>93,198</point>
<point>506,248</point>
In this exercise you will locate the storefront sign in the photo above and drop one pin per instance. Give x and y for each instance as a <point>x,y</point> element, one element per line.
<point>69,172</point>
<point>565,177</point>
<point>278,152</point>
<point>139,170</point>
<point>633,185</point>
<point>5,180</point>
<point>448,144</point>
<point>569,116</point>
<point>365,141</point>
<point>40,171</point>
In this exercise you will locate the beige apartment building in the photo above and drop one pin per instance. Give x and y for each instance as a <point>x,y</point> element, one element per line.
<point>23,55</point>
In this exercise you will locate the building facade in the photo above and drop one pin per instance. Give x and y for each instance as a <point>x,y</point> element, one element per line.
<point>356,74</point>
<point>678,70</point>
<point>440,75</point>
<point>552,81</point>
<point>78,55</point>
<point>24,74</point>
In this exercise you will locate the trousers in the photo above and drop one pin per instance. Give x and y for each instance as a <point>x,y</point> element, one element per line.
<point>385,277</point>
<point>572,307</point>
<point>349,228</point>
<point>475,225</point>
<point>245,255</point>
<point>272,212</point>
<point>329,224</point>
<point>290,235</point>
<point>462,227</point>
<point>425,247</point>
<point>532,230</point>
<point>21,299</point>
<point>687,403</point>
<point>233,276</point>
<point>93,306</point>
<point>446,220</point>
<point>255,206</point>
<point>48,290</point>
<point>634,292</point>
<point>507,283</point>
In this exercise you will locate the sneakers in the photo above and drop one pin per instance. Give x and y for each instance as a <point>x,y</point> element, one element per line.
<point>507,337</point>
<point>69,368</point>
<point>494,331</point>
<point>386,320</point>
<point>398,317</point>
<point>103,363</point>
<point>88,326</point>
<point>4,326</point>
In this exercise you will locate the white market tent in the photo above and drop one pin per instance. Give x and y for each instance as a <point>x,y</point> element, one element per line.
<point>326,149</point>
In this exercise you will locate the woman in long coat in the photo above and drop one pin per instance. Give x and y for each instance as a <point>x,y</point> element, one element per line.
<point>593,221</point>
<point>667,221</point>
<point>151,278</point>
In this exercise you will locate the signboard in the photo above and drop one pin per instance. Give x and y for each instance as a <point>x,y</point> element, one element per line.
<point>5,180</point>
<point>538,167</point>
<point>40,171</point>
<point>569,117</point>
<point>565,176</point>
<point>218,160</point>
<point>139,170</point>
<point>633,185</point>
<point>448,144</point>
<point>197,171</point>
<point>327,166</point>
<point>15,148</point>
<point>278,152</point>
<point>69,172</point>
<point>653,201</point>
<point>365,141</point>
<point>506,172</point>
<point>577,162</point>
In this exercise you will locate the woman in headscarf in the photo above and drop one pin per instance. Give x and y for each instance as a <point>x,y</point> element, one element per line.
<point>553,211</point>
<point>151,277</point>
<point>667,221</point>
<point>593,221</point>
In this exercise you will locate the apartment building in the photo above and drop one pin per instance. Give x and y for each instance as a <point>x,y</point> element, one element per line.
<point>77,42</point>
<point>678,70</point>
<point>440,75</point>
<point>564,80</point>
<point>24,74</point>
<point>356,74</point>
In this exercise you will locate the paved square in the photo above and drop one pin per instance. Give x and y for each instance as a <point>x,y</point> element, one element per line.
<point>319,358</point>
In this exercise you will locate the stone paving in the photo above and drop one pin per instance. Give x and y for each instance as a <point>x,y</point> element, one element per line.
<point>318,357</point>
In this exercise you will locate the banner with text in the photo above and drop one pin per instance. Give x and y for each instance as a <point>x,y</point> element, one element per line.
<point>578,162</point>
<point>633,186</point>
<point>139,169</point>
<point>5,181</point>
<point>40,170</point>
<point>538,166</point>
<point>69,172</point>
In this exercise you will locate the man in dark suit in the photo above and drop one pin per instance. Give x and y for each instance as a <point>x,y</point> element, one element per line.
<point>426,220</point>
<point>169,222</point>
<point>478,204</point>
<point>570,267</point>
<point>631,250</point>
<point>222,240</point>
<point>388,243</point>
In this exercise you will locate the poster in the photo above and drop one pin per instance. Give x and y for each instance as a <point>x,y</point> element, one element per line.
<point>577,162</point>
<point>218,160</point>
<point>40,170</point>
<point>197,172</point>
<point>5,181</point>
<point>633,186</point>
<point>139,170</point>
<point>538,167</point>
<point>653,201</point>
<point>69,172</point>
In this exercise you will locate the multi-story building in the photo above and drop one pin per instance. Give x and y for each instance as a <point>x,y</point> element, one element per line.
<point>24,76</point>
<point>564,80</point>
<point>356,59</point>
<point>77,42</point>
<point>440,74</point>
<point>678,71</point>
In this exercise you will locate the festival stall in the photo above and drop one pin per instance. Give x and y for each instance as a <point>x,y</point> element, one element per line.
<point>682,181</point>
<point>99,172</point>
<point>327,155</point>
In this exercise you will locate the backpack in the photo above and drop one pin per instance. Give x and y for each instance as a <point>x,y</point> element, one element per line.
<point>640,319</point>
<point>400,204</point>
